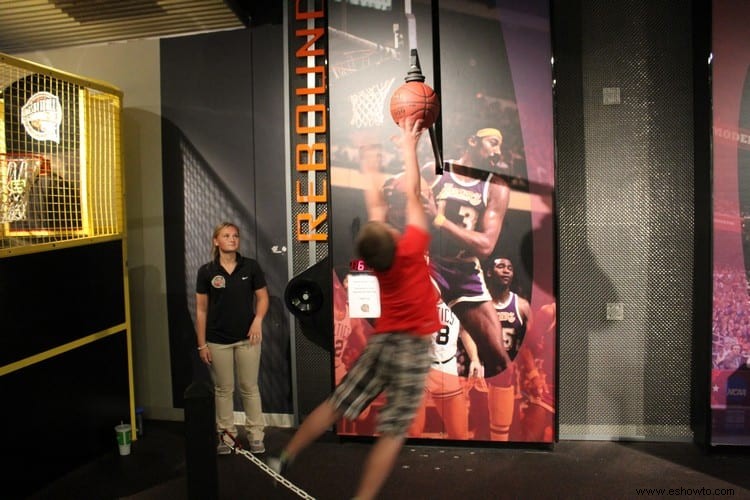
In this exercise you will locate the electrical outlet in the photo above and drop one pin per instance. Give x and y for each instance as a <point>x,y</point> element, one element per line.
<point>615,311</point>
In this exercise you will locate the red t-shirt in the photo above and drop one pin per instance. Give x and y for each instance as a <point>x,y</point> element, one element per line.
<point>408,299</point>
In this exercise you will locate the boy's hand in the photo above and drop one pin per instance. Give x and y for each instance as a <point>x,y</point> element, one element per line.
<point>411,130</point>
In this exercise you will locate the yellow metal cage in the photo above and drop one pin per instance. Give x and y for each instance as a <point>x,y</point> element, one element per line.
<point>61,179</point>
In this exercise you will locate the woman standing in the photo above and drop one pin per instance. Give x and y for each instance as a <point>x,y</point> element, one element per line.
<point>231,301</point>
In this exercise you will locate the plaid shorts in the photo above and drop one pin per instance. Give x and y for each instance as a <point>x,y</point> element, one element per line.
<point>394,363</point>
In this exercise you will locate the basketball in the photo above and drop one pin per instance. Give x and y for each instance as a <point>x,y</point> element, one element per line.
<point>417,100</point>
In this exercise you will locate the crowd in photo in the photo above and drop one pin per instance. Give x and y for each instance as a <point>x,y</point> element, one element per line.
<point>731,317</point>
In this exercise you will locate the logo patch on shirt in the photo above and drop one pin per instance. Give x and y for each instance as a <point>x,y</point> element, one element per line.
<point>218,281</point>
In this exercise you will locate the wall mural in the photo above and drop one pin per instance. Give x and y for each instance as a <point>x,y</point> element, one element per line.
<point>494,137</point>
<point>730,375</point>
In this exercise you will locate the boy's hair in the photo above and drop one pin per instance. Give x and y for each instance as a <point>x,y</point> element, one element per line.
<point>375,245</point>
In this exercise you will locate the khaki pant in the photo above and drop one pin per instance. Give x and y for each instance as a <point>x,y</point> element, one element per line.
<point>246,359</point>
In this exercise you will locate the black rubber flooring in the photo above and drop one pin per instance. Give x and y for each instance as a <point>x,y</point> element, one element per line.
<point>156,470</point>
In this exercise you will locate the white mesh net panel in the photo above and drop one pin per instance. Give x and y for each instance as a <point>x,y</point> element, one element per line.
<point>18,174</point>
<point>368,105</point>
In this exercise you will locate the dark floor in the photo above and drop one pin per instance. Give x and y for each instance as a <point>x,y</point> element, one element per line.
<point>156,470</point>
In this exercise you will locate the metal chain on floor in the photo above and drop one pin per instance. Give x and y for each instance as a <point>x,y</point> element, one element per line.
<point>275,475</point>
<point>232,442</point>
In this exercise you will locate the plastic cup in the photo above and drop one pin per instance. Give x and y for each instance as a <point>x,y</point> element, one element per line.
<point>123,438</point>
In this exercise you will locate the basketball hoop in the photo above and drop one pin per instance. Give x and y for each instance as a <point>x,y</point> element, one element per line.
<point>17,174</point>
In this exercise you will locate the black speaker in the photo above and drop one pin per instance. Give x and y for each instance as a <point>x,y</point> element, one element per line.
<point>304,297</point>
<point>309,297</point>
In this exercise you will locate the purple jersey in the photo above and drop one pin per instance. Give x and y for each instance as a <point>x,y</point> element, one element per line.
<point>457,271</point>
<point>465,201</point>
<point>511,324</point>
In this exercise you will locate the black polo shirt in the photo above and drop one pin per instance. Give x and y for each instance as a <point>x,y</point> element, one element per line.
<point>231,298</point>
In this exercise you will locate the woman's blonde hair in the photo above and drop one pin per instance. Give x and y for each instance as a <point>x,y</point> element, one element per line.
<point>217,230</point>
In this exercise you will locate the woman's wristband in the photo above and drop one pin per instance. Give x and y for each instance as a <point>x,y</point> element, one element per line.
<point>204,346</point>
<point>439,220</point>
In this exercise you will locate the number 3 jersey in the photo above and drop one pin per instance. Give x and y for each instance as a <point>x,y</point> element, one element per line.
<point>463,201</point>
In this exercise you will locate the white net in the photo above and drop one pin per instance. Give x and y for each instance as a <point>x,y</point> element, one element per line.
<point>18,174</point>
<point>368,105</point>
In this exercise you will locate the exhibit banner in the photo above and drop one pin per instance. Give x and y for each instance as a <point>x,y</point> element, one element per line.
<point>730,406</point>
<point>488,180</point>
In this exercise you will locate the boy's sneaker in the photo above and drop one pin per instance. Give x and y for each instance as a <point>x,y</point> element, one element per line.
<point>257,446</point>
<point>278,464</point>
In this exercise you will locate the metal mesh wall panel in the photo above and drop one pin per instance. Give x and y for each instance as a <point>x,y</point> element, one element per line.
<point>208,201</point>
<point>625,198</point>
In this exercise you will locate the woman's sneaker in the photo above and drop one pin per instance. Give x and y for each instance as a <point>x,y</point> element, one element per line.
<point>223,448</point>
<point>257,446</point>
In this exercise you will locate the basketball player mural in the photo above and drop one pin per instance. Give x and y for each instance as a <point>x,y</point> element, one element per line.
<point>466,197</point>
<point>470,202</point>
<point>536,405</point>
<point>349,338</point>
<point>514,317</point>
<point>444,388</point>
<point>350,334</point>
<point>467,204</point>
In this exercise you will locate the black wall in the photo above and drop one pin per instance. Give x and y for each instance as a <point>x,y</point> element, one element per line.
<point>59,413</point>
<point>224,159</point>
